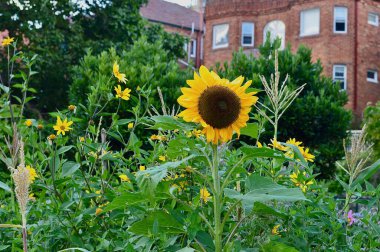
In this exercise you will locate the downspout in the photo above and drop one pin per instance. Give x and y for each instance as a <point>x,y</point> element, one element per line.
<point>355,101</point>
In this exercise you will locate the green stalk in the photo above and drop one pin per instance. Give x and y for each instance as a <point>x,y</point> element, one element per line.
<point>217,200</point>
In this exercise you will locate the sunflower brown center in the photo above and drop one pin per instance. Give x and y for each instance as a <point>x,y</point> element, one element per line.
<point>219,106</point>
<point>62,127</point>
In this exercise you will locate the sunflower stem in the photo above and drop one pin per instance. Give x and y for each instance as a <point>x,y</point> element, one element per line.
<point>217,200</point>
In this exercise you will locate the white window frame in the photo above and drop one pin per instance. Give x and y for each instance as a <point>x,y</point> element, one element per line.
<point>302,13</point>
<point>214,37</point>
<point>376,23</point>
<point>277,35</point>
<point>344,74</point>
<point>375,79</point>
<point>193,53</point>
<point>345,19</point>
<point>252,34</point>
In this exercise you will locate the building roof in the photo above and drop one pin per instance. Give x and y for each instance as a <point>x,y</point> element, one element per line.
<point>171,14</point>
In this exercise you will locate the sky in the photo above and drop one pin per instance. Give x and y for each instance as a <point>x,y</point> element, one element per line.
<point>181,2</point>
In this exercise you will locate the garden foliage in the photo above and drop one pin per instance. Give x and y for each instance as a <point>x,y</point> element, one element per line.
<point>317,116</point>
<point>186,187</point>
<point>372,121</point>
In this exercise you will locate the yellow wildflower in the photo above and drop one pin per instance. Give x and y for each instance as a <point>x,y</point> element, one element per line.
<point>31,197</point>
<point>32,173</point>
<point>82,139</point>
<point>124,178</point>
<point>98,211</point>
<point>162,158</point>
<point>259,145</point>
<point>299,181</point>
<point>123,94</point>
<point>62,127</point>
<point>275,230</point>
<point>142,168</point>
<point>28,123</point>
<point>51,137</point>
<point>138,88</point>
<point>205,195</point>
<point>307,156</point>
<point>40,126</point>
<point>294,142</point>
<point>278,146</point>
<point>7,41</point>
<point>117,74</point>
<point>72,108</point>
<point>130,125</point>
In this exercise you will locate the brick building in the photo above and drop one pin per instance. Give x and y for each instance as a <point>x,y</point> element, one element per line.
<point>178,19</point>
<point>344,35</point>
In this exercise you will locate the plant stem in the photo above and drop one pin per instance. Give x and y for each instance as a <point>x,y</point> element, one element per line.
<point>24,233</point>
<point>217,200</point>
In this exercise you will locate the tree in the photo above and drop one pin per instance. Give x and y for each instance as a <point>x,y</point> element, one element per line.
<point>317,117</point>
<point>61,31</point>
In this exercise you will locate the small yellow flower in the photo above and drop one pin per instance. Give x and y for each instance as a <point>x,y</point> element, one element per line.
<point>98,211</point>
<point>278,146</point>
<point>299,181</point>
<point>138,88</point>
<point>28,123</point>
<point>259,145</point>
<point>294,142</point>
<point>130,125</point>
<point>32,173</point>
<point>205,195</point>
<point>307,156</point>
<point>31,197</point>
<point>51,137</point>
<point>7,41</point>
<point>72,108</point>
<point>197,133</point>
<point>123,94</point>
<point>142,168</point>
<point>62,127</point>
<point>40,126</point>
<point>124,178</point>
<point>275,230</point>
<point>162,158</point>
<point>117,74</point>
<point>81,139</point>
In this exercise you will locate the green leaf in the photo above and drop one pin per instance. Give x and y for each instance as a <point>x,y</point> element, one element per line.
<point>5,187</point>
<point>74,249</point>
<point>163,222</point>
<point>187,249</point>
<point>368,173</point>
<point>64,149</point>
<point>262,189</point>
<point>69,168</point>
<point>169,123</point>
<point>3,247</point>
<point>262,209</point>
<point>255,152</point>
<point>124,121</point>
<point>127,198</point>
<point>251,130</point>
<point>274,246</point>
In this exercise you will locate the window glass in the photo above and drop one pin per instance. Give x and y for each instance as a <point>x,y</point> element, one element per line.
<point>309,22</point>
<point>373,19</point>
<point>247,34</point>
<point>340,75</point>
<point>220,36</point>
<point>193,48</point>
<point>340,19</point>
<point>372,76</point>
<point>276,29</point>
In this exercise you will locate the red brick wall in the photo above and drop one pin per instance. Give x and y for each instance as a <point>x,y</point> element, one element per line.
<point>327,46</point>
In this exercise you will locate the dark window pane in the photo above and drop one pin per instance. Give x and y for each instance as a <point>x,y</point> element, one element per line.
<point>247,40</point>
<point>370,75</point>
<point>340,26</point>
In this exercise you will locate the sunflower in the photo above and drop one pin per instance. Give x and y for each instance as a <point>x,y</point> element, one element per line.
<point>219,105</point>
<point>123,94</point>
<point>7,41</point>
<point>62,127</point>
<point>117,74</point>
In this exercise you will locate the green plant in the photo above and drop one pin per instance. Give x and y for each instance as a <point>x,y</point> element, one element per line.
<point>372,121</point>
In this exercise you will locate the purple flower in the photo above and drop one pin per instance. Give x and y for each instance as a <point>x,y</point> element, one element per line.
<point>350,218</point>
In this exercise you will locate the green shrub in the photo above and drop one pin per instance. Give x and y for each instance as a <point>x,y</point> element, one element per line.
<point>372,120</point>
<point>317,116</point>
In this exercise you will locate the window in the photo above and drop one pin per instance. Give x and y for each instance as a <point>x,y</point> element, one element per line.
<point>247,31</point>
<point>185,46</point>
<point>373,19</point>
<point>309,22</point>
<point>372,76</point>
<point>340,20</point>
<point>340,75</point>
<point>193,48</point>
<point>276,29</point>
<point>220,36</point>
